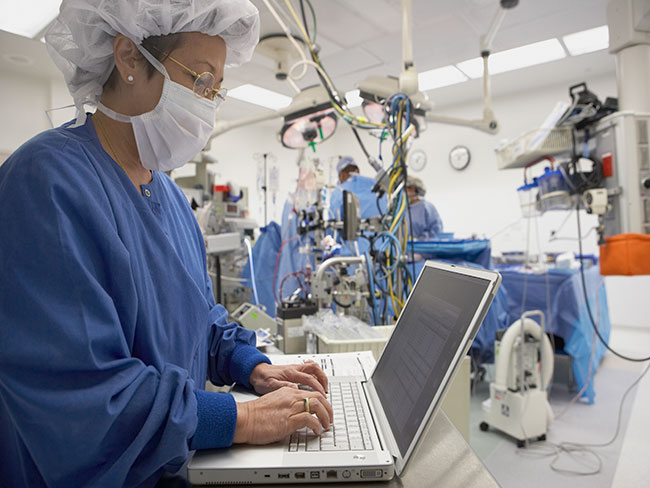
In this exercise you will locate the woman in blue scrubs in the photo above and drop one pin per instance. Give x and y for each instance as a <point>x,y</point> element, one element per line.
<point>424,220</point>
<point>108,326</point>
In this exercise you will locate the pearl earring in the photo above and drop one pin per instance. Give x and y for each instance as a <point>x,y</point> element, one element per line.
<point>130,77</point>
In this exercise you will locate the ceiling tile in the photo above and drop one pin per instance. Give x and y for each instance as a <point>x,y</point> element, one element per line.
<point>349,61</point>
<point>346,26</point>
<point>446,40</point>
<point>384,14</point>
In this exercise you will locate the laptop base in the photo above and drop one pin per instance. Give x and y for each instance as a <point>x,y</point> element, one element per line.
<point>285,476</point>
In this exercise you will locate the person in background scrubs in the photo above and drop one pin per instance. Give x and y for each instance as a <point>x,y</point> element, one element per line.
<point>424,218</point>
<point>108,326</point>
<point>361,186</point>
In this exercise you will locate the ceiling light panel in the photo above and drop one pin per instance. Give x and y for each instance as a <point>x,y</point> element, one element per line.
<point>439,77</point>
<point>587,41</point>
<point>517,58</point>
<point>259,96</point>
<point>27,17</point>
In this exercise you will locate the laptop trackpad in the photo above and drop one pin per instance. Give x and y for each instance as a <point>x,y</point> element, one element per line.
<point>241,456</point>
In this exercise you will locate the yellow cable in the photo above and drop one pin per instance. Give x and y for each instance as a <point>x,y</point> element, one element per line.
<point>393,180</point>
<point>360,120</point>
<point>299,24</point>
<point>397,303</point>
<point>399,214</point>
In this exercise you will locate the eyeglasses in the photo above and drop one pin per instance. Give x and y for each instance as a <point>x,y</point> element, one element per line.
<point>204,83</point>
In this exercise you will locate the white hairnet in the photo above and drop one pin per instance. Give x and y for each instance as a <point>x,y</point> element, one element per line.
<point>344,162</point>
<point>81,38</point>
<point>418,184</point>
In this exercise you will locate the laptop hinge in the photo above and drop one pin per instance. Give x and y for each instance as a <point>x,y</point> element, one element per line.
<point>372,414</point>
<point>382,426</point>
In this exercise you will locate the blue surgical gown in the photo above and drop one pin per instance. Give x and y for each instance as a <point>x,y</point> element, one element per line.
<point>108,326</point>
<point>291,260</point>
<point>362,187</point>
<point>427,223</point>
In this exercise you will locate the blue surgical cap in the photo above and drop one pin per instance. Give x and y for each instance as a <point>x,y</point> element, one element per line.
<point>344,162</point>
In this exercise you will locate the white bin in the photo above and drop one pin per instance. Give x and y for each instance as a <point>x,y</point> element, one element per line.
<point>328,345</point>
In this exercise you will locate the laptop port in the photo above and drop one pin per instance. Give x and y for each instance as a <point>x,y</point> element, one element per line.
<point>332,474</point>
<point>300,476</point>
<point>371,473</point>
<point>284,475</point>
<point>314,475</point>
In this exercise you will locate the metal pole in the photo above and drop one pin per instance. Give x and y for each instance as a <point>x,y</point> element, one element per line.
<point>265,188</point>
<point>407,29</point>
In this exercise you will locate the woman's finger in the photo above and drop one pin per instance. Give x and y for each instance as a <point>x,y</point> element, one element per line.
<point>305,419</point>
<point>317,408</point>
<point>298,405</point>
<point>277,384</point>
<point>323,401</point>
<point>313,369</point>
<point>305,379</point>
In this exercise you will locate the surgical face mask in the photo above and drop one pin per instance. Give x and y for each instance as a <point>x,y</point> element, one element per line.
<point>176,130</point>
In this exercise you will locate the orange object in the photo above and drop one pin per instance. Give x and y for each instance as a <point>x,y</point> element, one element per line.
<point>625,254</point>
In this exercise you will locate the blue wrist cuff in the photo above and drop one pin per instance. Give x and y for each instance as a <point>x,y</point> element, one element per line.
<point>217,419</point>
<point>243,360</point>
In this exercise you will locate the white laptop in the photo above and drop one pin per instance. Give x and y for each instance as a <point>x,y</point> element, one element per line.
<point>380,412</point>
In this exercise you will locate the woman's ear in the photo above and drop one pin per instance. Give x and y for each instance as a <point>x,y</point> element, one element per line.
<point>128,60</point>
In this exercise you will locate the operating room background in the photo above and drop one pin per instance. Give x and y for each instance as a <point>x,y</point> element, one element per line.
<point>479,200</point>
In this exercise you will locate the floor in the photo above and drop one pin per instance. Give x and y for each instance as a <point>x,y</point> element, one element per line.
<point>623,463</point>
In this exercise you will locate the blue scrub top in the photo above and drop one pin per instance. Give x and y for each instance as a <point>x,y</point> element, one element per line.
<point>426,220</point>
<point>362,187</point>
<point>108,326</point>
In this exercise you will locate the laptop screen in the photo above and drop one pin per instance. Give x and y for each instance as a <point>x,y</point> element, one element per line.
<point>429,332</point>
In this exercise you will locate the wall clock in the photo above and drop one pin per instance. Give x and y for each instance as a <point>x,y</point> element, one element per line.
<point>459,157</point>
<point>417,160</point>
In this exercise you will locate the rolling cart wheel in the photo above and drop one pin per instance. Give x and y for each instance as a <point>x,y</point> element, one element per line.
<point>542,437</point>
<point>483,426</point>
<point>520,443</point>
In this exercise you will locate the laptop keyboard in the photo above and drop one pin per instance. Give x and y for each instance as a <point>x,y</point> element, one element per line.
<point>334,366</point>
<point>349,432</point>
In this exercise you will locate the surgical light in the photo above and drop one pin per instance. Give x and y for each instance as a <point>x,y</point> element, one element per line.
<point>517,58</point>
<point>374,90</point>
<point>308,130</point>
<point>260,96</point>
<point>439,77</point>
<point>375,112</point>
<point>28,17</point>
<point>587,41</point>
<point>309,120</point>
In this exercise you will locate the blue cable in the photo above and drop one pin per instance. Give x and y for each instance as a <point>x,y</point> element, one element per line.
<point>386,242</point>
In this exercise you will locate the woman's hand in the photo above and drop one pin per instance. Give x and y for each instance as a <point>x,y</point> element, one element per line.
<point>278,414</point>
<point>266,378</point>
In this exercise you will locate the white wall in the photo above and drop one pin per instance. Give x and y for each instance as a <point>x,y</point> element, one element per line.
<point>23,102</point>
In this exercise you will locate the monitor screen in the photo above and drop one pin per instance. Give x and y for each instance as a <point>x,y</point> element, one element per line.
<point>429,332</point>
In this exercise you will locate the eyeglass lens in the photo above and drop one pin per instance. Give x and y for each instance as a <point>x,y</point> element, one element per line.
<point>204,85</point>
